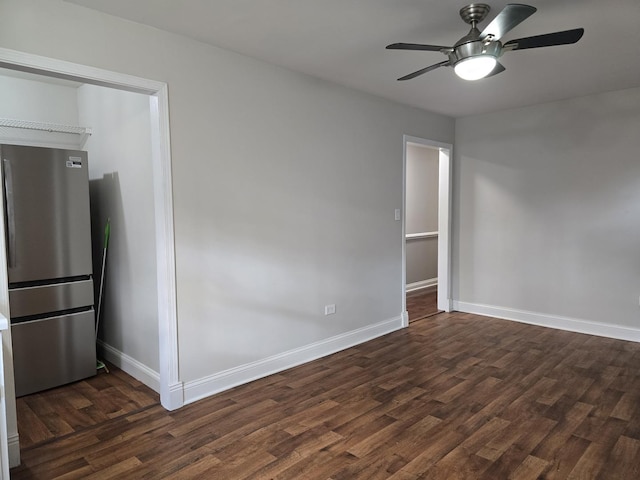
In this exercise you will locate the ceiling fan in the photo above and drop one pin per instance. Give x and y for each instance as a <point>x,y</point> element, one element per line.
<point>475,55</point>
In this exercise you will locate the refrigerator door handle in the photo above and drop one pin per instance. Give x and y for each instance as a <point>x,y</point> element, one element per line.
<point>11,221</point>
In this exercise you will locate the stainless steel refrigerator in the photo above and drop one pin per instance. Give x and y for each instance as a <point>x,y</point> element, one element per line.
<point>49,266</point>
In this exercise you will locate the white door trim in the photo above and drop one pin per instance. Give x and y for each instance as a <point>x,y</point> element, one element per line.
<point>444,222</point>
<point>171,391</point>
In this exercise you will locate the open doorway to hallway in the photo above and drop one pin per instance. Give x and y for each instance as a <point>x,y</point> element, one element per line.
<point>426,227</point>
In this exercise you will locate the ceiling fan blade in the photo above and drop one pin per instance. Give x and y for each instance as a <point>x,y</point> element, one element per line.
<point>547,40</point>
<point>499,68</point>
<point>512,15</point>
<point>424,70</point>
<point>416,46</point>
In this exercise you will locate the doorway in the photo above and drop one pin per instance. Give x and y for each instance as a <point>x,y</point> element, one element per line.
<point>170,388</point>
<point>433,238</point>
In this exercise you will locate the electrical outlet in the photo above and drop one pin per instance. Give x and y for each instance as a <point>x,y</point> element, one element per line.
<point>397,214</point>
<point>330,309</point>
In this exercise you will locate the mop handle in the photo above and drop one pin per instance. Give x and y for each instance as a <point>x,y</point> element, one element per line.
<point>107,233</point>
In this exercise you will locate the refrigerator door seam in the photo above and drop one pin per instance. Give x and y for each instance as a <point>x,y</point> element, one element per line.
<point>11,219</point>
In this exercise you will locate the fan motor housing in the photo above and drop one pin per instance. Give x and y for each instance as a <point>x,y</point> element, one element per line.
<point>473,49</point>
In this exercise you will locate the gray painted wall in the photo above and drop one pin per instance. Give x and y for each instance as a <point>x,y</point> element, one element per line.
<point>547,209</point>
<point>121,177</point>
<point>422,212</point>
<point>422,260</point>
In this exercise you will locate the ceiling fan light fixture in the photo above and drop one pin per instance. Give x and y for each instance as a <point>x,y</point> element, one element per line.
<point>476,67</point>
<point>476,55</point>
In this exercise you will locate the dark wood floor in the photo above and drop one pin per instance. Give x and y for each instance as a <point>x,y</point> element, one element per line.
<point>56,413</point>
<point>422,303</point>
<point>454,396</point>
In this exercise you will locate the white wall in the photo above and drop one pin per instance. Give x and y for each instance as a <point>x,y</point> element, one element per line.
<point>35,101</point>
<point>546,215</point>
<point>22,99</point>
<point>284,186</point>
<point>422,212</point>
<point>120,174</point>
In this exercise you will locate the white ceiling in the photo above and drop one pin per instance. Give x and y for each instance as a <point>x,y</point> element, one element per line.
<point>344,41</point>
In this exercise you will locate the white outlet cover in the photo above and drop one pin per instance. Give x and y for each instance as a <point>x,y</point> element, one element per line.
<point>330,309</point>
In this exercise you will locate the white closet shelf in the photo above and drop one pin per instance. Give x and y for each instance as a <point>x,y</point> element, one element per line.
<point>45,127</point>
<point>82,132</point>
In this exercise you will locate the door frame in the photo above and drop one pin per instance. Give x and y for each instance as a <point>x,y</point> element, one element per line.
<point>445,151</point>
<point>171,391</point>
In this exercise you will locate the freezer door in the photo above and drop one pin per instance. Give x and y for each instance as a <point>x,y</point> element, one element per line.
<point>47,217</point>
<point>43,299</point>
<point>53,351</point>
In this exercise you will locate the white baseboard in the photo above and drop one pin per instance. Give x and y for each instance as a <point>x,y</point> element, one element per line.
<point>430,282</point>
<point>130,365</point>
<point>174,398</point>
<point>13,444</point>
<point>210,385</point>
<point>551,321</point>
<point>405,318</point>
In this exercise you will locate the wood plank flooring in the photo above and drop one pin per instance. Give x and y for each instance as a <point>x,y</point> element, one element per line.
<point>422,304</point>
<point>454,396</point>
<point>58,412</point>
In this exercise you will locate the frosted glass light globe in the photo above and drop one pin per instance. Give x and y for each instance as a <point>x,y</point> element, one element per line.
<point>475,68</point>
